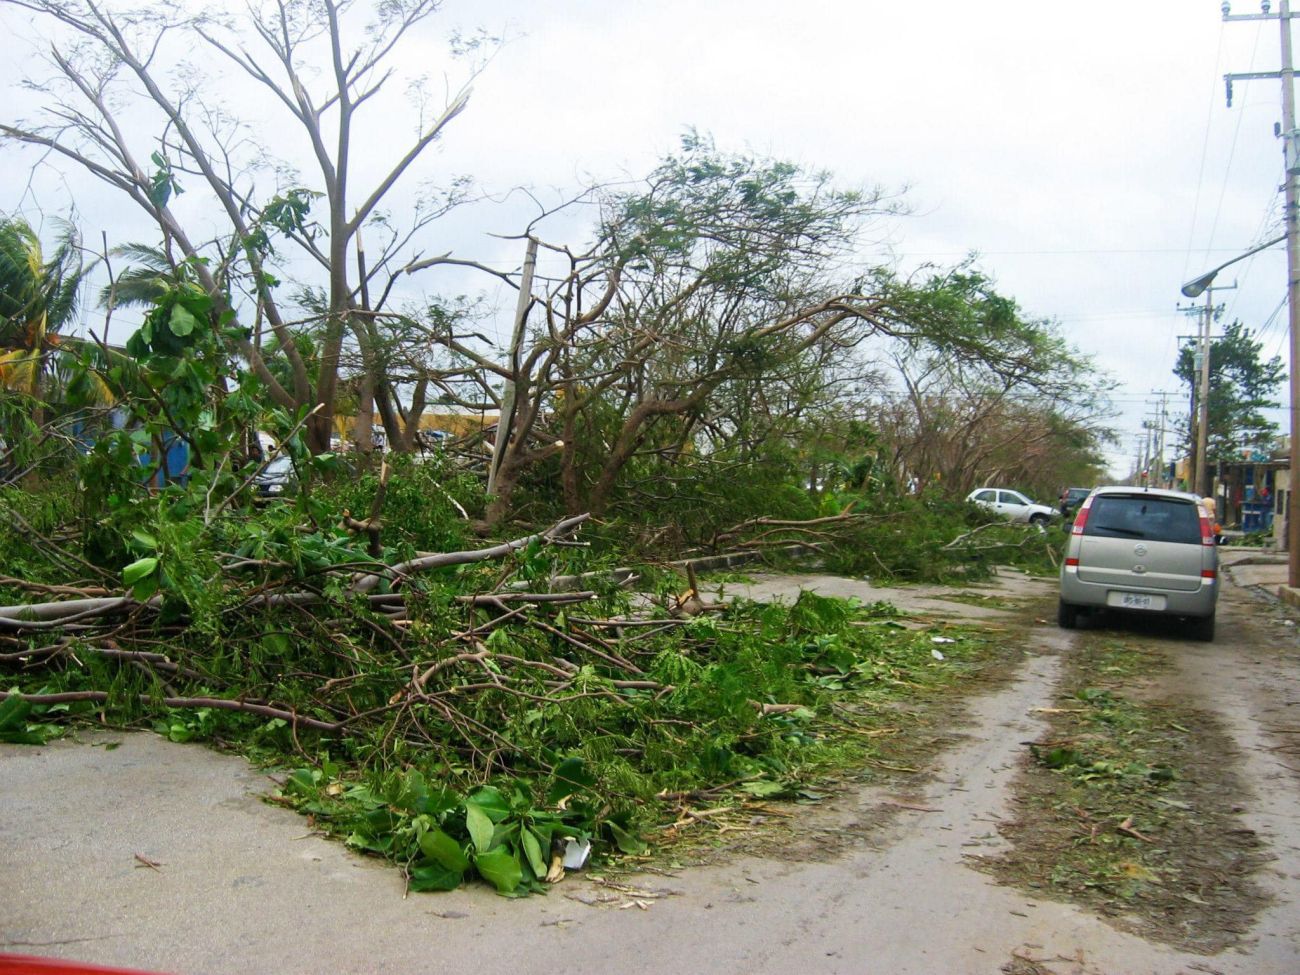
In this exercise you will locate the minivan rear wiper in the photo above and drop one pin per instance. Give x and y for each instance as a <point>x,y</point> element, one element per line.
<point>1121,531</point>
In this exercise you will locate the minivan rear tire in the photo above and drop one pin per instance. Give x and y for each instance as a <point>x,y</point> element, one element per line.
<point>1067,615</point>
<point>1202,628</point>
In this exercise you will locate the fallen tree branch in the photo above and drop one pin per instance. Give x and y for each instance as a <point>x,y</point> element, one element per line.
<point>441,559</point>
<point>219,703</point>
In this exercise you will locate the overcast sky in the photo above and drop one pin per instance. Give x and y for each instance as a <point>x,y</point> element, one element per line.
<point>1084,152</point>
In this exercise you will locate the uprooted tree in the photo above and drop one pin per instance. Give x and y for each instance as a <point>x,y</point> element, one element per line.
<point>713,313</point>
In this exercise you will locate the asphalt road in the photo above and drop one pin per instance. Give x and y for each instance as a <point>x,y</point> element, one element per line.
<point>163,857</point>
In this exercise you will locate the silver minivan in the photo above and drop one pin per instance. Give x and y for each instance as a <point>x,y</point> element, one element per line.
<point>1142,550</point>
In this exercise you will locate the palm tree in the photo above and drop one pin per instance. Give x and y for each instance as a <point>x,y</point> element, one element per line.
<point>38,297</point>
<point>145,282</point>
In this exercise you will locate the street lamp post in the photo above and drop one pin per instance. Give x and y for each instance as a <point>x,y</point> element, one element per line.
<point>1195,288</point>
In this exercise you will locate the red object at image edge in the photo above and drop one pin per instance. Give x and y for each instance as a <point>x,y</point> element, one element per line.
<point>24,965</point>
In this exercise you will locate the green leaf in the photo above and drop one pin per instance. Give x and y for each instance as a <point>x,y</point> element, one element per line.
<point>407,790</point>
<point>629,843</point>
<point>13,722</point>
<point>304,781</point>
<point>437,802</point>
<point>501,869</point>
<point>492,802</point>
<point>571,775</point>
<point>145,540</point>
<point>139,569</point>
<point>375,844</point>
<point>479,825</point>
<point>145,588</point>
<point>13,711</point>
<point>182,321</point>
<point>438,846</point>
<point>434,876</point>
<point>533,850</point>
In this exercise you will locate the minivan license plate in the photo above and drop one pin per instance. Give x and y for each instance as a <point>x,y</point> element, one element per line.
<point>1135,600</point>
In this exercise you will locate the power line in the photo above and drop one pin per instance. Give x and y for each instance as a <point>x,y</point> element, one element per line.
<point>1232,150</point>
<point>1272,319</point>
<point>1045,252</point>
<point>1205,151</point>
<point>1259,236</point>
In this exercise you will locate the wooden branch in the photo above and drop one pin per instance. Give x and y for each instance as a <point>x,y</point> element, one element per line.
<point>442,559</point>
<point>219,703</point>
<point>39,616</point>
<point>373,525</point>
<point>88,591</point>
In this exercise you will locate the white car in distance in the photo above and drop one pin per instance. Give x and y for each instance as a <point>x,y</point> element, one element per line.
<point>1012,505</point>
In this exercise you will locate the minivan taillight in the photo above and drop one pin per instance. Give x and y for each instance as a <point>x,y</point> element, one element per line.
<point>1081,518</point>
<point>1207,530</point>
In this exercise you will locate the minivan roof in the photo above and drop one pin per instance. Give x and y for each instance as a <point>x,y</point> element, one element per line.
<point>1154,492</point>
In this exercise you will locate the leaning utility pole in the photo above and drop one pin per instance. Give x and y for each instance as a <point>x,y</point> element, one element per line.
<point>1292,155</point>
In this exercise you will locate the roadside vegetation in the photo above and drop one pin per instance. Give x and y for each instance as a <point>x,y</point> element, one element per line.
<point>423,615</point>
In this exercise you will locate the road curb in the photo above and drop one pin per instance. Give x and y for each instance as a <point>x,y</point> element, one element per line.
<point>1289,595</point>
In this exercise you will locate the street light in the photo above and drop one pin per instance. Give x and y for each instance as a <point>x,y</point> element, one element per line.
<point>1193,289</point>
<point>1196,287</point>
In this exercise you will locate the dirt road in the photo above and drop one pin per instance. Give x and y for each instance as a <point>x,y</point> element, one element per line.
<point>241,886</point>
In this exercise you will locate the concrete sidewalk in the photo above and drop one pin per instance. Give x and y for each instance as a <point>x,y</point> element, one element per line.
<point>1266,569</point>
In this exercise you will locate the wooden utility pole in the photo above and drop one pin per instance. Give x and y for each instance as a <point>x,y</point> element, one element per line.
<point>1292,288</point>
<point>1204,478</point>
<point>1287,132</point>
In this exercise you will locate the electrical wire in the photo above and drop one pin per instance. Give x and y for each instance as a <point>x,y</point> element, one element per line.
<point>1265,220</point>
<point>1272,320</point>
<point>1232,149</point>
<point>1227,171</point>
<point>1205,151</point>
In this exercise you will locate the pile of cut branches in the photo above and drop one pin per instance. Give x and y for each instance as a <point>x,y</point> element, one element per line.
<point>456,712</point>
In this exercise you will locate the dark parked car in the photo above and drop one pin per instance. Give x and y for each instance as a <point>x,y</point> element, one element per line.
<point>1070,500</point>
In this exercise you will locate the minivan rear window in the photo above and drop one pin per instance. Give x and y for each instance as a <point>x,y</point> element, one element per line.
<point>1145,517</point>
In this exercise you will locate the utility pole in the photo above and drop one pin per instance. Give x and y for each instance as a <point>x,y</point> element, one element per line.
<point>1198,428</point>
<point>1204,484</point>
<point>1287,131</point>
<point>1157,427</point>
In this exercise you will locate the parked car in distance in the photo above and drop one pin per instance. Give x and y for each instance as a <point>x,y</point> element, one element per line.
<point>1070,500</point>
<point>1141,550</point>
<point>1012,505</point>
<point>276,477</point>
